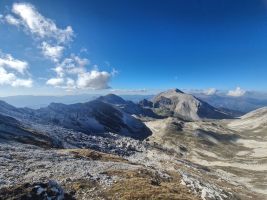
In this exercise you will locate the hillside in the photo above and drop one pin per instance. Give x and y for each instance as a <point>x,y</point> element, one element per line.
<point>253,120</point>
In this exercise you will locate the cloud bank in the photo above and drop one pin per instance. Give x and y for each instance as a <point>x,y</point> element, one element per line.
<point>12,70</point>
<point>237,92</point>
<point>71,74</point>
<point>210,91</point>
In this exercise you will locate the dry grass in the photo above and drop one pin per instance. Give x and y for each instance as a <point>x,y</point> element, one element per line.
<point>144,184</point>
<point>93,155</point>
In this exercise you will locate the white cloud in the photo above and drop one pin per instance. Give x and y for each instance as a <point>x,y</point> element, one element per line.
<point>55,81</point>
<point>236,92</point>
<point>210,91</point>
<point>8,78</point>
<point>22,82</point>
<point>93,80</point>
<point>52,52</point>
<point>2,18</point>
<point>51,37</point>
<point>10,68</point>
<point>129,91</point>
<point>70,83</point>
<point>60,71</point>
<point>73,65</point>
<point>6,60</point>
<point>71,74</point>
<point>114,72</point>
<point>12,20</point>
<point>84,50</point>
<point>38,25</point>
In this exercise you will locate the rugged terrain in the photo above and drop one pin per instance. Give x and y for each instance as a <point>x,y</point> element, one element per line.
<point>110,148</point>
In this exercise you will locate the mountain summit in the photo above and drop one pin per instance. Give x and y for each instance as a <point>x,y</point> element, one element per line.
<point>176,103</point>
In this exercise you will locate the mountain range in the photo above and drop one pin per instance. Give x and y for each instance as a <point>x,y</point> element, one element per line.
<point>111,113</point>
<point>242,104</point>
<point>237,106</point>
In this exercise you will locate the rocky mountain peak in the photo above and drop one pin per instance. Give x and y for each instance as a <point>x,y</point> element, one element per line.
<point>177,90</point>
<point>177,103</point>
<point>174,91</point>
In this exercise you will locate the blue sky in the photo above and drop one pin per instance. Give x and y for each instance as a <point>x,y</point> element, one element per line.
<point>134,45</point>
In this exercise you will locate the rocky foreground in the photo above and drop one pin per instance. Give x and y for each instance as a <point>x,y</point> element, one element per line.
<point>131,170</point>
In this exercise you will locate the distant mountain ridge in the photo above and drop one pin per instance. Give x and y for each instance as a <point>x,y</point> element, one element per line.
<point>36,102</point>
<point>242,104</point>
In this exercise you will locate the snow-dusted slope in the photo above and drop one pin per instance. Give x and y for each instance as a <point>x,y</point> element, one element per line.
<point>176,103</point>
<point>252,120</point>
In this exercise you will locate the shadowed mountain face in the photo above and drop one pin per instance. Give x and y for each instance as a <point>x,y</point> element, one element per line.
<point>13,130</point>
<point>178,104</point>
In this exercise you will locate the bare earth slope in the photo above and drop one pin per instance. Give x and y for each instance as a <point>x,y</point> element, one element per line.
<point>253,120</point>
